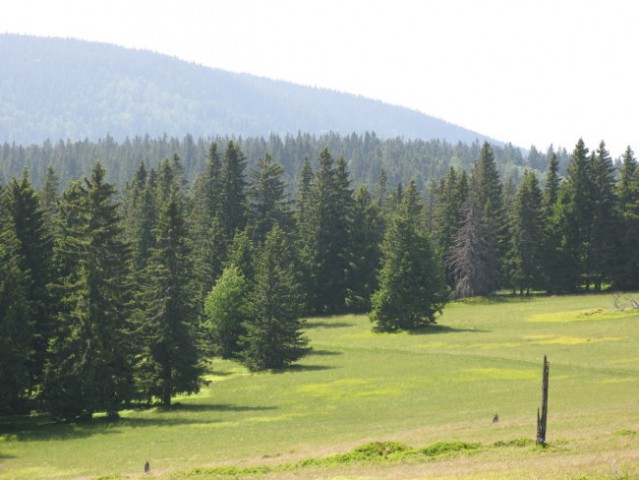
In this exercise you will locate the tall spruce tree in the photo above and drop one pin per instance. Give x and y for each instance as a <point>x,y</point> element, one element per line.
<point>625,275</point>
<point>233,200</point>
<point>367,233</point>
<point>603,222</point>
<point>574,214</point>
<point>16,319</point>
<point>411,289</point>
<point>170,362</point>
<point>331,215</point>
<point>551,259</point>
<point>526,226</point>
<point>473,259</point>
<point>451,195</point>
<point>267,198</point>
<point>35,253</point>
<point>488,197</point>
<point>89,366</point>
<point>208,242</point>
<point>274,338</point>
<point>305,231</point>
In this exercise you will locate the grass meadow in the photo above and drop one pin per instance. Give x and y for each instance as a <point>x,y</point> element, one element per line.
<point>385,406</point>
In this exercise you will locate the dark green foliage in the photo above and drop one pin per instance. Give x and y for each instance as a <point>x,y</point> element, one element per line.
<point>367,233</point>
<point>233,202</point>
<point>274,337</point>
<point>140,216</point>
<point>35,254</point>
<point>526,225</point>
<point>48,195</point>
<point>170,360</point>
<point>89,365</point>
<point>451,195</point>
<point>16,320</point>
<point>626,257</point>
<point>604,222</point>
<point>267,198</point>
<point>208,242</point>
<point>585,219</point>
<point>488,195</point>
<point>411,290</point>
<point>330,216</point>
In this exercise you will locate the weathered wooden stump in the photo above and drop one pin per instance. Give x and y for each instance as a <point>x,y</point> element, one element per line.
<point>542,417</point>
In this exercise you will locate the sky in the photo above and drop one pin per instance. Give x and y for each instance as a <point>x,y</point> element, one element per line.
<point>542,72</point>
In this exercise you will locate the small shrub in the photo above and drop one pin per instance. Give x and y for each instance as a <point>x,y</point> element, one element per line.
<point>447,448</point>
<point>516,442</point>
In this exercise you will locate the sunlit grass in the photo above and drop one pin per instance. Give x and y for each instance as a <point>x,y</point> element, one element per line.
<point>443,384</point>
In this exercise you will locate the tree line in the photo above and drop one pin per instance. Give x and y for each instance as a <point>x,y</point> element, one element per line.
<point>367,154</point>
<point>110,298</point>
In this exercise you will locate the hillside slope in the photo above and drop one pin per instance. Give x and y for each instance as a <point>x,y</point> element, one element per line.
<point>70,89</point>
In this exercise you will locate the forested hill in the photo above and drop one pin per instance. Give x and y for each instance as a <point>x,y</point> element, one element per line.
<point>53,88</point>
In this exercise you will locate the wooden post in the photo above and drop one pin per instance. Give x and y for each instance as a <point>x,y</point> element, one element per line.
<point>543,417</point>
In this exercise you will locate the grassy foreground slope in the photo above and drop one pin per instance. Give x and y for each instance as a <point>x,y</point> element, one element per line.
<point>442,385</point>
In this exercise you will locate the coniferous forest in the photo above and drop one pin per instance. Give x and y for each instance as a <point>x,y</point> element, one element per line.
<point>118,285</point>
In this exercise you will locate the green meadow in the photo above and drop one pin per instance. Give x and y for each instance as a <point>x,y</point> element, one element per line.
<point>382,406</point>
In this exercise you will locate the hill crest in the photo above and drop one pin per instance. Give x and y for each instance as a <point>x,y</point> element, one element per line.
<point>55,88</point>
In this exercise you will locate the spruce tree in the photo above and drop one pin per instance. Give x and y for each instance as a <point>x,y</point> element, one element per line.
<point>411,289</point>
<point>574,214</point>
<point>488,197</point>
<point>331,215</point>
<point>89,366</point>
<point>48,196</point>
<point>451,195</point>
<point>16,319</point>
<point>603,223</point>
<point>208,241</point>
<point>626,257</point>
<point>274,337</point>
<point>305,231</point>
<point>170,362</point>
<point>367,233</point>
<point>473,259</point>
<point>233,201</point>
<point>35,253</point>
<point>267,198</point>
<point>526,226</point>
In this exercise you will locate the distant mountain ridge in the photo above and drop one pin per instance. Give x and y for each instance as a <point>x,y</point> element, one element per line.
<point>53,88</point>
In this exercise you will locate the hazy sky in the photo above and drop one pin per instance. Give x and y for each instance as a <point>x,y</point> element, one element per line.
<point>531,72</point>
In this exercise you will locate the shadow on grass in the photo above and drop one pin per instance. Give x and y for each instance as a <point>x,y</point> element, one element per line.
<point>327,324</point>
<point>325,353</point>
<point>304,368</point>
<point>220,407</point>
<point>499,299</point>
<point>44,428</point>
<point>437,329</point>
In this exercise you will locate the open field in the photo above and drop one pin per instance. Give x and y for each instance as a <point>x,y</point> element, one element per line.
<point>442,385</point>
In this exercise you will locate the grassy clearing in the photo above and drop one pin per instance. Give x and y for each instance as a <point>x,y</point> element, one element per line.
<point>407,393</point>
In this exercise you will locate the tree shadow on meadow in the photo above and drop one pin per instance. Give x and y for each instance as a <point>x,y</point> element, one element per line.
<point>303,368</point>
<point>42,427</point>
<point>439,329</point>
<point>215,407</point>
<point>327,324</point>
<point>324,353</point>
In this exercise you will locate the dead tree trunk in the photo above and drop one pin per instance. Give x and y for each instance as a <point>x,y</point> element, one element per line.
<point>543,417</point>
